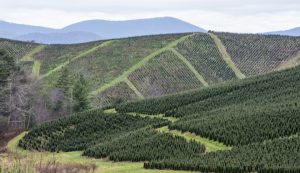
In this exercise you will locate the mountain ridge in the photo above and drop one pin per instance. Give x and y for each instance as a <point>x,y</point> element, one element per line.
<point>92,30</point>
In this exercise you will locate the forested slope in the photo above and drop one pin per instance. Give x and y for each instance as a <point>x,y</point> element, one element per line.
<point>159,65</point>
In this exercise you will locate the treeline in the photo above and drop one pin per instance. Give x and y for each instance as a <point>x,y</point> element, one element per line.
<point>85,129</point>
<point>277,156</point>
<point>145,145</point>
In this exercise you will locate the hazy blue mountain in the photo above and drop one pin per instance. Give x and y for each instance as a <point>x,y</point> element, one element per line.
<point>60,38</point>
<point>290,32</point>
<point>96,29</point>
<point>120,29</point>
<point>12,30</point>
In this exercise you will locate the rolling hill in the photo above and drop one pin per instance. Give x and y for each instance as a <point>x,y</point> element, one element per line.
<point>256,121</point>
<point>151,66</point>
<point>93,30</point>
<point>209,102</point>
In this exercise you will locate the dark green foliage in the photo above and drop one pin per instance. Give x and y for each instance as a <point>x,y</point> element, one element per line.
<point>83,130</point>
<point>144,145</point>
<point>257,54</point>
<point>64,82</point>
<point>7,67</point>
<point>164,74</point>
<point>272,88</point>
<point>277,156</point>
<point>80,95</point>
<point>204,55</point>
<point>235,113</point>
<point>244,124</point>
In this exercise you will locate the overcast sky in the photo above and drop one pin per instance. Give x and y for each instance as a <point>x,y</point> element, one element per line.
<point>221,15</point>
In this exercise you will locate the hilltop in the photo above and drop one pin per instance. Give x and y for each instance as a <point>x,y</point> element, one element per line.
<point>152,66</point>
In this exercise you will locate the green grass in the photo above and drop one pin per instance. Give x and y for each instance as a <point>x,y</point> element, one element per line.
<point>210,145</point>
<point>29,55</point>
<point>36,67</point>
<point>136,91</point>
<point>226,56</point>
<point>36,63</point>
<point>293,62</point>
<point>136,66</point>
<point>190,66</point>
<point>75,157</point>
<point>162,116</point>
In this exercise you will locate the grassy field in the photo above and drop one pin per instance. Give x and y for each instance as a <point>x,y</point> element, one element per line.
<point>210,145</point>
<point>103,166</point>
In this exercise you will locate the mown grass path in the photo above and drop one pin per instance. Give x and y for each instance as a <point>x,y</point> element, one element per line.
<point>226,56</point>
<point>190,66</point>
<point>293,62</point>
<point>136,66</point>
<point>103,166</point>
<point>133,88</point>
<point>82,54</point>
<point>36,63</point>
<point>210,145</point>
<point>29,55</point>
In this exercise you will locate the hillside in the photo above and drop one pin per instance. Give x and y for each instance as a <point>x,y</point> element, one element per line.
<point>151,66</point>
<point>92,30</point>
<point>259,116</point>
<point>254,122</point>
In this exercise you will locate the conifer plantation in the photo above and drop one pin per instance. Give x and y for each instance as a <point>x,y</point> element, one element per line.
<point>210,102</point>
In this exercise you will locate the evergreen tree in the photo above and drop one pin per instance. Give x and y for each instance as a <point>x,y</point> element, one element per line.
<point>64,82</point>
<point>7,65</point>
<point>80,95</point>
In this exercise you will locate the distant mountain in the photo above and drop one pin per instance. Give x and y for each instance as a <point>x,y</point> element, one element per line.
<point>290,32</point>
<point>62,38</point>
<point>12,30</point>
<point>92,30</point>
<point>121,29</point>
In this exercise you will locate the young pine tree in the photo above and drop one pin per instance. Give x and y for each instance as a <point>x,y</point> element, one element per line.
<point>64,82</point>
<point>80,95</point>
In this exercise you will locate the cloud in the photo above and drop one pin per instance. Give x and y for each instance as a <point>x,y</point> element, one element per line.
<point>230,15</point>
